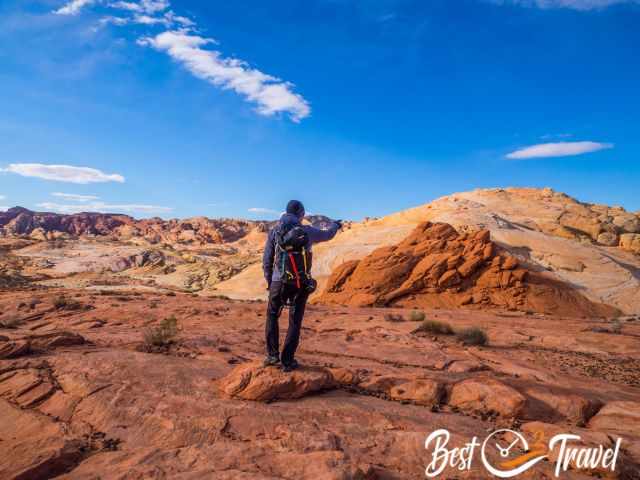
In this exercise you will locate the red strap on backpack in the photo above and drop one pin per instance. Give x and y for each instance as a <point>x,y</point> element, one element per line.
<point>295,269</point>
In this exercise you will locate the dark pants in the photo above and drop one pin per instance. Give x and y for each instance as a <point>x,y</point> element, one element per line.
<point>277,296</point>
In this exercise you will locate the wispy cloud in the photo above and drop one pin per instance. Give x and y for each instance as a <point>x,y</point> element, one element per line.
<point>2,197</point>
<point>103,208</point>
<point>559,149</point>
<point>261,210</point>
<point>74,7</point>
<point>572,4</point>
<point>63,173</point>
<point>271,94</point>
<point>183,44</point>
<point>74,197</point>
<point>146,6</point>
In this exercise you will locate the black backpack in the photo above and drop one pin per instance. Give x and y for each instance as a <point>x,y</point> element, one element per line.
<point>293,258</point>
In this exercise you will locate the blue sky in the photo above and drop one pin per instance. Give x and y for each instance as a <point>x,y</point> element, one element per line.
<point>357,108</point>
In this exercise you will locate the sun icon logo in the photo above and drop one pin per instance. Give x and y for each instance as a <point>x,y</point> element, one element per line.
<point>513,452</point>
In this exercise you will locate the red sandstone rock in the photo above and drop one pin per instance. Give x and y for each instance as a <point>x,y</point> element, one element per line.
<point>437,266</point>
<point>255,382</point>
<point>618,416</point>
<point>486,396</point>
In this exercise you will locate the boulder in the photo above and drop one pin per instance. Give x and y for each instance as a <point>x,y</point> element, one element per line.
<point>630,241</point>
<point>252,381</point>
<point>608,239</point>
<point>486,396</point>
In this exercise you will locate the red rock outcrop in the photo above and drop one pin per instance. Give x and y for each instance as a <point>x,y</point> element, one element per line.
<point>437,266</point>
<point>252,381</point>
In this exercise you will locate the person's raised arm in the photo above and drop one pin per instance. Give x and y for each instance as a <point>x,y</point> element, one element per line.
<point>317,235</point>
<point>267,257</point>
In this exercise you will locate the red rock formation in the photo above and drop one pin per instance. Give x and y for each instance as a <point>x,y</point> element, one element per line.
<point>19,221</point>
<point>437,266</point>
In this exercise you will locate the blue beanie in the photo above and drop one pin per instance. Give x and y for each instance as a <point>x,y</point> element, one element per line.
<point>295,207</point>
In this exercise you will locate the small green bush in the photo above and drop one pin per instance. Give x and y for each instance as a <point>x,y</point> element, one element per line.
<point>392,317</point>
<point>9,323</point>
<point>64,303</point>
<point>60,302</point>
<point>417,316</point>
<point>163,334</point>
<point>472,336</point>
<point>434,327</point>
<point>616,326</point>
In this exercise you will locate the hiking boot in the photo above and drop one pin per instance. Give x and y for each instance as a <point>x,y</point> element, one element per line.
<point>271,360</point>
<point>289,367</point>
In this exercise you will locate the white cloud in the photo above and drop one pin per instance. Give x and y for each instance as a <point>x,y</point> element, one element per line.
<point>560,149</point>
<point>262,210</point>
<point>102,208</point>
<point>74,197</point>
<point>63,173</point>
<point>4,209</point>
<point>270,93</point>
<point>73,7</point>
<point>572,4</point>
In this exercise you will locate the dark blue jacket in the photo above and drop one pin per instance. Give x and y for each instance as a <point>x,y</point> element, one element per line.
<point>315,235</point>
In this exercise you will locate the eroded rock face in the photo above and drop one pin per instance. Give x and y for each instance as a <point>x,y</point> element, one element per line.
<point>436,265</point>
<point>486,396</point>
<point>255,382</point>
<point>618,416</point>
<point>14,349</point>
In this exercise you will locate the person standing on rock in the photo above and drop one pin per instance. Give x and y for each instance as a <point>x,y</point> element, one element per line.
<point>287,269</point>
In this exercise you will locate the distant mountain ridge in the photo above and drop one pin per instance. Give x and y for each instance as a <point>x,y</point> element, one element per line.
<point>19,221</point>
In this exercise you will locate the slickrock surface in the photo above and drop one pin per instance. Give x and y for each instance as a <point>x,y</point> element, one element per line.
<point>87,401</point>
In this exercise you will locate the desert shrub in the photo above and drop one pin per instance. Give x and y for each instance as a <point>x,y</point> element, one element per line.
<point>64,303</point>
<point>472,336</point>
<point>417,316</point>
<point>220,297</point>
<point>616,326</point>
<point>10,322</point>
<point>392,317</point>
<point>434,327</point>
<point>163,334</point>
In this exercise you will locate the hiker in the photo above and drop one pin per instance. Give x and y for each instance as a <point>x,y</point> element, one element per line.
<point>288,249</point>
